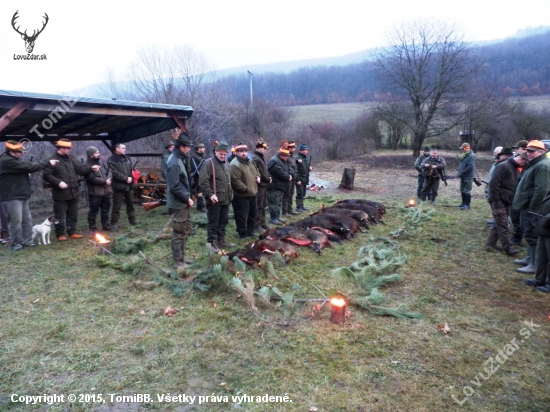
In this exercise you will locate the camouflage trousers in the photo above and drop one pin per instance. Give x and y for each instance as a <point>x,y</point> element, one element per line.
<point>181,223</point>
<point>500,230</point>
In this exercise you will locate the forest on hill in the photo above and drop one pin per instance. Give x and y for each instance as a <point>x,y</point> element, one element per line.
<point>520,65</point>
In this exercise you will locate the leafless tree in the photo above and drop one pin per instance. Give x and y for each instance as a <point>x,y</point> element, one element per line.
<point>428,65</point>
<point>180,76</point>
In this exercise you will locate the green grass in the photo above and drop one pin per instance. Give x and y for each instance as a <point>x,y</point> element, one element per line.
<point>70,326</point>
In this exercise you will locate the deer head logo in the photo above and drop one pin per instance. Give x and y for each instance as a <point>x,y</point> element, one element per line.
<point>29,40</point>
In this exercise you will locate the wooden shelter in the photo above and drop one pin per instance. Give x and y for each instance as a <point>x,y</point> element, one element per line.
<point>47,117</point>
<point>37,117</point>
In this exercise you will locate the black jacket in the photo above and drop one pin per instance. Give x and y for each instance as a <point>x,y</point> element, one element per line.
<point>96,180</point>
<point>503,182</point>
<point>67,170</point>
<point>279,170</point>
<point>15,183</point>
<point>121,168</point>
<point>261,165</point>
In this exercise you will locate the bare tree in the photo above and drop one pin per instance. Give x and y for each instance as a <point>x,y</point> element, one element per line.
<point>428,65</point>
<point>180,76</point>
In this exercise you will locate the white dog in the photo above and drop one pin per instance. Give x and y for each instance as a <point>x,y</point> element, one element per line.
<point>44,229</point>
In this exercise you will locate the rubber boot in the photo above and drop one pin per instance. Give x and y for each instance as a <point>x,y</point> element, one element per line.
<point>530,268</point>
<point>523,262</point>
<point>463,202</point>
<point>432,200</point>
<point>177,254</point>
<point>201,205</point>
<point>467,200</point>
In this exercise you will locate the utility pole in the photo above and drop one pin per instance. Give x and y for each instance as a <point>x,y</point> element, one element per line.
<point>251,101</point>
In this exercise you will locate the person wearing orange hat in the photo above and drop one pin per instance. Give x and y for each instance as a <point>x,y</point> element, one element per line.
<point>63,179</point>
<point>15,192</point>
<point>281,175</point>
<point>531,190</point>
<point>466,170</point>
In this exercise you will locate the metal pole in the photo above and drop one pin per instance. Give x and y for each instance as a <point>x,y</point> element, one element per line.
<point>251,99</point>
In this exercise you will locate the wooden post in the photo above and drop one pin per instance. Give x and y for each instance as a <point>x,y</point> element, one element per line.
<point>347,179</point>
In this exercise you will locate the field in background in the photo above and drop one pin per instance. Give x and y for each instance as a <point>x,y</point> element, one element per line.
<point>343,112</point>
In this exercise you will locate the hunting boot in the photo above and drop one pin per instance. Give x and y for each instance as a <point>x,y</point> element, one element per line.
<point>201,205</point>
<point>223,243</point>
<point>433,200</point>
<point>213,246</point>
<point>530,268</point>
<point>467,201</point>
<point>463,201</point>
<point>177,254</point>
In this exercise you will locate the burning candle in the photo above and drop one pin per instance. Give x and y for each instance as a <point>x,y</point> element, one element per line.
<point>337,310</point>
<point>101,239</point>
<point>411,203</point>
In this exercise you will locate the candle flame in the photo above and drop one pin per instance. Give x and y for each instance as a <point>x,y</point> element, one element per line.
<point>339,302</point>
<point>100,238</point>
<point>412,202</point>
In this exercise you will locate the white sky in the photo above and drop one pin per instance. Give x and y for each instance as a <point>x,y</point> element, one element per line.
<point>84,38</point>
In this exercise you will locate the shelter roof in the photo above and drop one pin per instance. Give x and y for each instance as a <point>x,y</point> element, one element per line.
<point>49,117</point>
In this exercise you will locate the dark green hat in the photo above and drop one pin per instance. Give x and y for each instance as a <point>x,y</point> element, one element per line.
<point>222,147</point>
<point>505,151</point>
<point>183,140</point>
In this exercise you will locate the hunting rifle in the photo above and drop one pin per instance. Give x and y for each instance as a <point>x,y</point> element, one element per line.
<point>538,215</point>
<point>153,205</point>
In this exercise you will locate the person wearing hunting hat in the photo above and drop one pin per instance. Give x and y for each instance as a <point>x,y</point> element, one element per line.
<point>303,168</point>
<point>499,195</point>
<point>179,200</point>
<point>244,182</point>
<point>122,182</point>
<point>528,196</point>
<point>522,145</point>
<point>466,170</point>
<point>197,159</point>
<point>418,166</point>
<point>261,198</point>
<point>99,191</point>
<point>281,174</point>
<point>215,184</point>
<point>15,192</point>
<point>65,185</point>
<point>168,149</point>
<point>288,195</point>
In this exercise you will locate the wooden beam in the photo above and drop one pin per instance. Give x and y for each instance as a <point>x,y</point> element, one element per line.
<point>102,110</point>
<point>178,121</point>
<point>12,114</point>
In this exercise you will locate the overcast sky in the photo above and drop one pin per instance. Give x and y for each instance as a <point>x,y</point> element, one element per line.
<point>84,38</point>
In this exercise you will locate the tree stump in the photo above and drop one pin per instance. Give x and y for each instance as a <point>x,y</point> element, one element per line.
<point>347,179</point>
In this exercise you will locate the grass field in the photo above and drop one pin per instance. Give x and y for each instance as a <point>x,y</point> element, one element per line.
<point>343,112</point>
<point>72,326</point>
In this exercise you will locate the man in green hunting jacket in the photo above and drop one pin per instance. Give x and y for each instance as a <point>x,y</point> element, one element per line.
<point>179,200</point>
<point>215,184</point>
<point>244,182</point>
<point>531,190</point>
